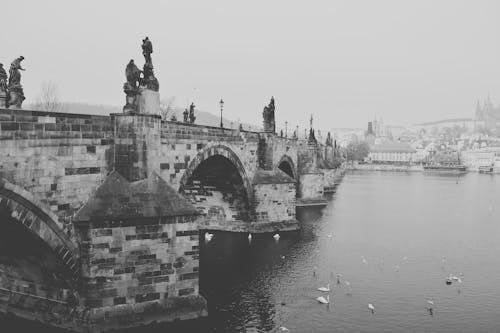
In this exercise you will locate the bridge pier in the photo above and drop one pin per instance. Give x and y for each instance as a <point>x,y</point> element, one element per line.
<point>140,254</point>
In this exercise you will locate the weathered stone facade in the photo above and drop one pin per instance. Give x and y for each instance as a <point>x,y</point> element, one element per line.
<point>141,266</point>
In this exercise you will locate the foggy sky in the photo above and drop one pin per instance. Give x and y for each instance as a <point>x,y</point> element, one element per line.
<point>344,61</point>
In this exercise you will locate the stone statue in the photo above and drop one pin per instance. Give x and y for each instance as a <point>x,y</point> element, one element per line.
<point>131,87</point>
<point>186,115</point>
<point>3,87</point>
<point>149,80</point>
<point>329,140</point>
<point>192,117</point>
<point>312,137</point>
<point>268,115</point>
<point>16,93</point>
<point>147,49</point>
<point>133,74</point>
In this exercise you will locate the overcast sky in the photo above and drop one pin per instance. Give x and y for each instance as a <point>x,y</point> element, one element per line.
<point>344,61</point>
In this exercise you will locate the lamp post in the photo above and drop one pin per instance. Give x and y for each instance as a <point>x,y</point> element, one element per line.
<point>286,129</point>
<point>221,103</point>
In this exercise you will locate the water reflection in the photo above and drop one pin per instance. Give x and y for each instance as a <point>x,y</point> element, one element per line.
<point>391,238</point>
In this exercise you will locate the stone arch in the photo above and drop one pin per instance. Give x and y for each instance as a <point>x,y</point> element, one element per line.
<point>223,151</point>
<point>286,165</point>
<point>31,214</point>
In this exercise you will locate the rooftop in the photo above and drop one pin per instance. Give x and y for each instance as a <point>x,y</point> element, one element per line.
<point>392,147</point>
<point>118,198</point>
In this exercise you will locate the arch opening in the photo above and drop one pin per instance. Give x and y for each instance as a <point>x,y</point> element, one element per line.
<point>286,168</point>
<point>217,189</point>
<point>29,265</point>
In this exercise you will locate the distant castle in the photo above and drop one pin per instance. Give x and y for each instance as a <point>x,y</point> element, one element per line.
<point>488,115</point>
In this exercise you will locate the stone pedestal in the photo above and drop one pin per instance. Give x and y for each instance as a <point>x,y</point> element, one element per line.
<point>16,98</point>
<point>149,102</point>
<point>3,99</point>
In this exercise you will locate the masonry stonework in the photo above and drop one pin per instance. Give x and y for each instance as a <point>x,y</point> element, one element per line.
<point>109,193</point>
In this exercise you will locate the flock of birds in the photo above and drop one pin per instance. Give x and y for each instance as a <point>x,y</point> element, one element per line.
<point>326,300</point>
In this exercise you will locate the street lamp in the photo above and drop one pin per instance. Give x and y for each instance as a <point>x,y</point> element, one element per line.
<point>221,103</point>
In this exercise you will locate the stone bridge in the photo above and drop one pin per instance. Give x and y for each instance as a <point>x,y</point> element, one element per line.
<point>112,207</point>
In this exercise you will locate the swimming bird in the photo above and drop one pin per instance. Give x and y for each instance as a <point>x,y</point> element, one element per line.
<point>208,236</point>
<point>276,237</point>
<point>324,289</point>
<point>430,301</point>
<point>347,283</point>
<point>371,307</point>
<point>284,329</point>
<point>329,235</point>
<point>323,300</point>
<point>249,237</point>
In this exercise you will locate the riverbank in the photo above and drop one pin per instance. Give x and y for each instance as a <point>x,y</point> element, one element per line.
<point>386,167</point>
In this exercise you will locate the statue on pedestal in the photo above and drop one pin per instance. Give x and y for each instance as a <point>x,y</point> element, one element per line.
<point>16,93</point>
<point>192,117</point>
<point>147,49</point>
<point>131,87</point>
<point>268,115</point>
<point>142,91</point>
<point>3,87</point>
<point>186,116</point>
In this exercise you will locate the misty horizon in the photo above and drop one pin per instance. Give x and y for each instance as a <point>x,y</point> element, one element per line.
<point>344,62</point>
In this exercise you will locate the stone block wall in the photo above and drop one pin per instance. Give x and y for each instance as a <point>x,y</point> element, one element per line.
<point>311,186</point>
<point>139,269</point>
<point>307,158</point>
<point>180,143</point>
<point>137,144</point>
<point>274,202</point>
<point>285,147</point>
<point>60,158</point>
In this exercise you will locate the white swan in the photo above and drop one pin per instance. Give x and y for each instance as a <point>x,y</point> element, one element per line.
<point>284,329</point>
<point>371,307</point>
<point>323,300</point>
<point>208,236</point>
<point>325,289</point>
<point>276,236</point>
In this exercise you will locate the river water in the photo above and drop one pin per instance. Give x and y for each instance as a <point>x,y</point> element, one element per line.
<point>395,237</point>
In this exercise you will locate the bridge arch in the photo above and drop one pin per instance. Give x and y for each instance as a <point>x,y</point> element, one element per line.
<point>20,205</point>
<point>287,166</point>
<point>223,153</point>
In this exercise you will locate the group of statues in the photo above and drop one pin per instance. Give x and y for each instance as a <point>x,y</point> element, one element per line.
<point>189,116</point>
<point>11,90</point>
<point>137,79</point>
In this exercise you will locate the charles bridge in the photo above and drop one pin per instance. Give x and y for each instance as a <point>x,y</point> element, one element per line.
<point>113,206</point>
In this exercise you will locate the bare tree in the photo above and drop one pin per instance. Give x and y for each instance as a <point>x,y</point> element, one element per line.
<point>167,106</point>
<point>48,100</point>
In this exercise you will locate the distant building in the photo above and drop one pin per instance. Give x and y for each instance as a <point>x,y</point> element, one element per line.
<point>487,116</point>
<point>486,157</point>
<point>393,152</point>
